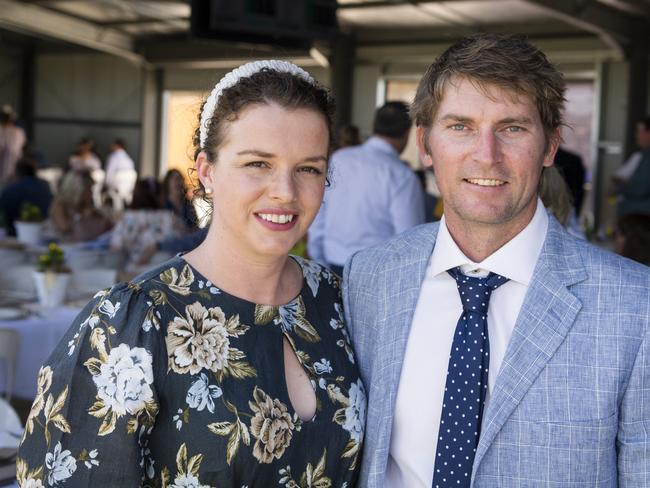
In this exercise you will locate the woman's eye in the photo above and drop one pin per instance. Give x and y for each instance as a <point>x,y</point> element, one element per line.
<point>257,164</point>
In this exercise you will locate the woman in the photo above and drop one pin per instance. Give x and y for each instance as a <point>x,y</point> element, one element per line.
<point>73,215</point>
<point>84,158</point>
<point>143,224</point>
<point>174,198</point>
<point>228,366</point>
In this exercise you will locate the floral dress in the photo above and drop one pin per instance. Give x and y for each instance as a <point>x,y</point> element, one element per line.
<point>169,381</point>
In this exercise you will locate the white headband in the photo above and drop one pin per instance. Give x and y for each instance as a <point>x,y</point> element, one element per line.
<point>231,79</point>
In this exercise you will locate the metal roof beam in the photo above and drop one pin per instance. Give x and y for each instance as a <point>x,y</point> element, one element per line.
<point>611,25</point>
<point>32,19</point>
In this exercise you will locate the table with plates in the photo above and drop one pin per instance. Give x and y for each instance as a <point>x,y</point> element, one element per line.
<point>40,331</point>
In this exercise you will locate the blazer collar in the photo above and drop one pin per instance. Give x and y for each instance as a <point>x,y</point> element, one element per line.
<point>547,314</point>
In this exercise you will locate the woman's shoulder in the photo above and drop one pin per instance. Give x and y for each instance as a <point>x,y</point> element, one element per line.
<point>317,277</point>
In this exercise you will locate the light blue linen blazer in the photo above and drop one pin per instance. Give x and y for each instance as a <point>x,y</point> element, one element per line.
<point>571,404</point>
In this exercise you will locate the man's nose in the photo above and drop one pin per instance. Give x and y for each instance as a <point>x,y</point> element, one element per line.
<point>487,148</point>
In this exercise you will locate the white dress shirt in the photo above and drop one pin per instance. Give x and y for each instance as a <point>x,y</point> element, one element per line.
<point>374,196</point>
<point>422,383</point>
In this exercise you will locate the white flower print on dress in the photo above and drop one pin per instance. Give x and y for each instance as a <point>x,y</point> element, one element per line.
<point>323,366</point>
<point>109,309</point>
<point>91,460</point>
<point>355,413</point>
<point>61,465</point>
<point>312,273</point>
<point>187,481</point>
<point>125,379</point>
<point>202,395</point>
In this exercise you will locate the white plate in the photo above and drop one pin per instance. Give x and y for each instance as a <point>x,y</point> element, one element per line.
<point>11,313</point>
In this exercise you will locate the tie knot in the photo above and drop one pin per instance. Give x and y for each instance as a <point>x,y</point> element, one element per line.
<point>475,292</point>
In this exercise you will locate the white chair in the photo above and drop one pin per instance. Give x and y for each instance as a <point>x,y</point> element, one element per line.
<point>9,343</point>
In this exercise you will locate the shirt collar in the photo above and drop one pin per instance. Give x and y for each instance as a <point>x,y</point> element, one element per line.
<point>515,260</point>
<point>381,145</point>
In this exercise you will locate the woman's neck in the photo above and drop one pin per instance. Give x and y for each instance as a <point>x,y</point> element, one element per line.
<point>259,279</point>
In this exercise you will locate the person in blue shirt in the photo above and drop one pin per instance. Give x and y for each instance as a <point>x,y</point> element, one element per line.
<point>374,194</point>
<point>26,188</point>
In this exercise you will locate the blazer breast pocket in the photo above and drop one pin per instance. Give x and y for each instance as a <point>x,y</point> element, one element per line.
<point>563,453</point>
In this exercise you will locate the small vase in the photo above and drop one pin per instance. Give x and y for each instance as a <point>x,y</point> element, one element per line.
<point>51,287</point>
<point>28,232</point>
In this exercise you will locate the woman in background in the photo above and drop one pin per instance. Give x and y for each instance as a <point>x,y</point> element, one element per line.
<point>174,198</point>
<point>228,366</point>
<point>73,215</point>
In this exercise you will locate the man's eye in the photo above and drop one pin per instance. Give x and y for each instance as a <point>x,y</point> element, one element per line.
<point>514,128</point>
<point>458,127</point>
<point>311,170</point>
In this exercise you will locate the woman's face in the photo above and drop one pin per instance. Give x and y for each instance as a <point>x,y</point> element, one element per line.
<point>269,178</point>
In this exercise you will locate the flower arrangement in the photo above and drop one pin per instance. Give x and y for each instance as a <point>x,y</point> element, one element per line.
<point>53,260</point>
<point>30,213</point>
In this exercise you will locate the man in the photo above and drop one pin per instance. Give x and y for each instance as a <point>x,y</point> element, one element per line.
<point>570,166</point>
<point>632,180</point>
<point>556,392</point>
<point>120,173</point>
<point>374,194</point>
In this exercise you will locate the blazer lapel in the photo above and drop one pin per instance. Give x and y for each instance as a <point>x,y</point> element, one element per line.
<point>547,314</point>
<point>404,272</point>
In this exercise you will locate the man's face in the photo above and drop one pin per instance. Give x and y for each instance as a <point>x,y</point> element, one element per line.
<point>487,147</point>
<point>642,136</point>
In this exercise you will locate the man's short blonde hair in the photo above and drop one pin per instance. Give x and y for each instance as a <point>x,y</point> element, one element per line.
<point>507,61</point>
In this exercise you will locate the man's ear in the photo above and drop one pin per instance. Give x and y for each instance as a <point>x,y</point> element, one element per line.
<point>552,146</point>
<point>203,169</point>
<point>421,134</point>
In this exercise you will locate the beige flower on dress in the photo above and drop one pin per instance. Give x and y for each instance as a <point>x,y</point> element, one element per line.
<point>272,426</point>
<point>198,340</point>
<point>44,382</point>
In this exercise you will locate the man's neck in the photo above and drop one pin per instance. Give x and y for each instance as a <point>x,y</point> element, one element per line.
<point>479,241</point>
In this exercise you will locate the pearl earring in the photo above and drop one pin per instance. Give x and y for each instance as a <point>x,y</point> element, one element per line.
<point>208,191</point>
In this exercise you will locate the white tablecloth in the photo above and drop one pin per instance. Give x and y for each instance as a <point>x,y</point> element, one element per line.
<point>39,335</point>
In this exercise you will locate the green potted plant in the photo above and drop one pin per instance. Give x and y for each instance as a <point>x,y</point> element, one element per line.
<point>29,225</point>
<point>52,276</point>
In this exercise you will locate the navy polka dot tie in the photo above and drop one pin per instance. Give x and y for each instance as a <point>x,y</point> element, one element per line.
<point>467,382</point>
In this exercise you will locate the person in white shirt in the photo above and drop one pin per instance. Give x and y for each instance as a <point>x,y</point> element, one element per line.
<point>374,194</point>
<point>12,140</point>
<point>497,349</point>
<point>120,173</point>
<point>642,137</point>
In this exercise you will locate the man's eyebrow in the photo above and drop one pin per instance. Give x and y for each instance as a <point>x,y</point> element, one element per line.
<point>523,120</point>
<point>454,118</point>
<point>315,159</point>
<point>517,120</point>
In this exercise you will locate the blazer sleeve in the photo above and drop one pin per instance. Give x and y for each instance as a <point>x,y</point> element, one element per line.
<point>633,440</point>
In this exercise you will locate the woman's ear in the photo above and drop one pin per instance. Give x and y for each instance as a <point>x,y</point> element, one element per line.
<point>203,169</point>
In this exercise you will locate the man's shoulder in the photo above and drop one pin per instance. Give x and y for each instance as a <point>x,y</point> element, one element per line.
<point>413,243</point>
<point>601,267</point>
